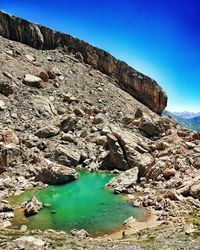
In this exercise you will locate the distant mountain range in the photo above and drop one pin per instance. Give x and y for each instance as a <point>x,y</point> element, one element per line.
<point>187,119</point>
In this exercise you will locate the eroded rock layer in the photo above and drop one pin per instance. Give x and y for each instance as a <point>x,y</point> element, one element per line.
<point>135,83</point>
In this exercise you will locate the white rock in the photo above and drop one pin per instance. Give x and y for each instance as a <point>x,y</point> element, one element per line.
<point>7,74</point>
<point>32,240</point>
<point>23,228</point>
<point>2,105</point>
<point>125,180</point>
<point>57,71</point>
<point>61,78</point>
<point>14,115</point>
<point>129,220</point>
<point>10,52</point>
<point>49,58</point>
<point>33,81</point>
<point>30,58</point>
<point>190,229</point>
<point>6,224</point>
<point>9,215</point>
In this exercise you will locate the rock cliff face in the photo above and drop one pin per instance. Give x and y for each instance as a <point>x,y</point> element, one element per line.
<point>141,87</point>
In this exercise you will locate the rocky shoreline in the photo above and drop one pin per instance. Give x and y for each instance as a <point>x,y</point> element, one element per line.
<point>57,114</point>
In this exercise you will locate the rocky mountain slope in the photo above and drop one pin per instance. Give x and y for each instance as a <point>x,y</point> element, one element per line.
<point>59,112</point>
<point>135,83</point>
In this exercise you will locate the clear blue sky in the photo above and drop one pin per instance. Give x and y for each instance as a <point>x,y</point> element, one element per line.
<point>160,38</point>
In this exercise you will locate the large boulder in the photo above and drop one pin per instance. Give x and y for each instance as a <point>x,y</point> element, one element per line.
<point>47,132</point>
<point>196,163</point>
<point>99,118</point>
<point>33,81</point>
<point>7,88</point>
<point>125,181</point>
<point>80,233</point>
<point>68,123</point>
<point>150,127</point>
<point>116,155</point>
<point>43,106</point>
<point>144,162</point>
<point>195,190</point>
<point>32,207</point>
<point>67,155</point>
<point>5,207</point>
<point>8,136</point>
<point>29,242</point>
<point>55,174</point>
<point>9,153</point>
<point>2,105</point>
<point>127,150</point>
<point>155,172</point>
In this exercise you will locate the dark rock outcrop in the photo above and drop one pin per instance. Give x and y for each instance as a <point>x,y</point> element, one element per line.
<point>5,207</point>
<point>67,155</point>
<point>55,174</point>
<point>141,87</point>
<point>125,152</point>
<point>32,207</point>
<point>6,88</point>
<point>116,154</point>
<point>47,132</point>
<point>9,154</point>
<point>149,127</point>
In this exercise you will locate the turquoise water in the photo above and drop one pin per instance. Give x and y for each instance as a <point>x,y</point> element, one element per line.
<point>84,203</point>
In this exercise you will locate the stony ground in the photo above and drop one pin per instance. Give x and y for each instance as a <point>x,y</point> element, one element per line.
<point>57,111</point>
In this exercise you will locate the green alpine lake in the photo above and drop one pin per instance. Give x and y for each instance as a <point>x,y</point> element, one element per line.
<point>81,204</point>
